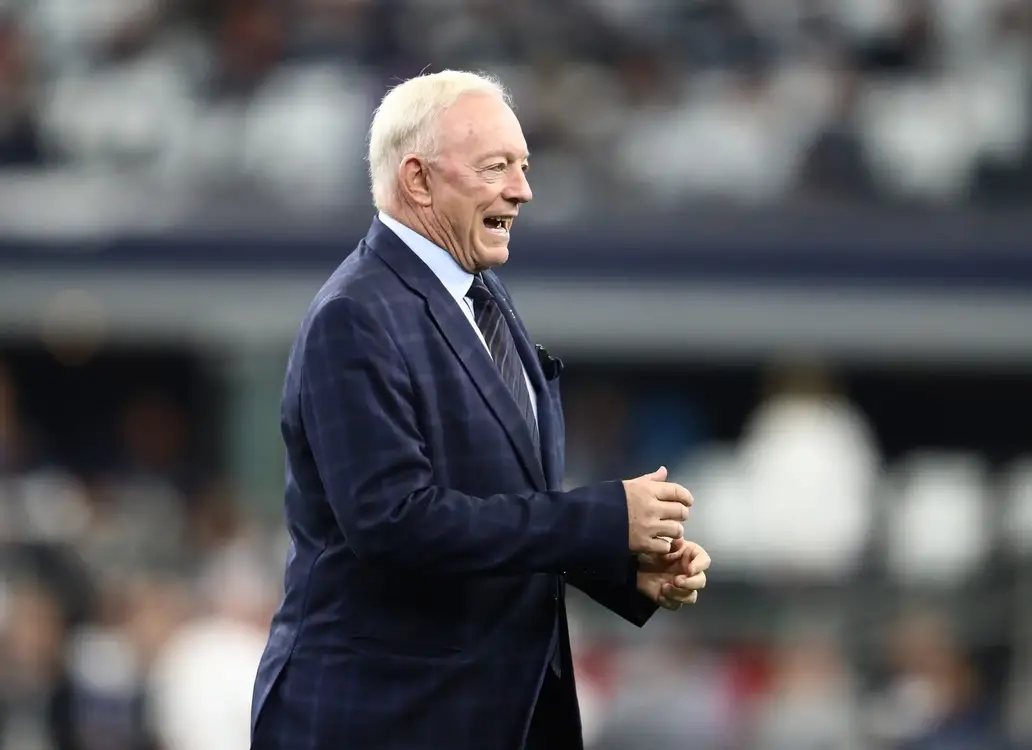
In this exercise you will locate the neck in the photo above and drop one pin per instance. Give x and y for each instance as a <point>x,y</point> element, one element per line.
<point>426,223</point>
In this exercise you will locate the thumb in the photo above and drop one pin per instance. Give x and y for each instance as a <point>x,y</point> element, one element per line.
<point>678,548</point>
<point>659,475</point>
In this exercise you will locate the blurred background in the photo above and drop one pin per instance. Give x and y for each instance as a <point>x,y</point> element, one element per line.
<point>782,246</point>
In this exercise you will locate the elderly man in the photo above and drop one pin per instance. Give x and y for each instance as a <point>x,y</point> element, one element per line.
<point>431,542</point>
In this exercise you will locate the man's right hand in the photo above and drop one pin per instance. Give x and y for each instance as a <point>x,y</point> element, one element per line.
<point>656,510</point>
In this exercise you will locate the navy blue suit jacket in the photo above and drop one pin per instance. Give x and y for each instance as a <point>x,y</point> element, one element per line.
<point>431,544</point>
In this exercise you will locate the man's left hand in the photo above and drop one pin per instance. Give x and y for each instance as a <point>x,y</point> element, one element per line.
<point>675,578</point>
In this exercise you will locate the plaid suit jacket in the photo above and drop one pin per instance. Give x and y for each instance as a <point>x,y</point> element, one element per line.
<point>430,543</point>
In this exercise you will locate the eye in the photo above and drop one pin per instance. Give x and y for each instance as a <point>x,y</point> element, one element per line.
<point>499,167</point>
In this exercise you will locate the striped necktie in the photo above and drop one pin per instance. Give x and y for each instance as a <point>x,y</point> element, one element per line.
<point>491,323</point>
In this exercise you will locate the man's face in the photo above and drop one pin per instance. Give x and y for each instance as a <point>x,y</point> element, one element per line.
<point>478,180</point>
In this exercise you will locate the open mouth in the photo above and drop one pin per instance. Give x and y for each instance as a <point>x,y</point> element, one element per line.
<point>499,224</point>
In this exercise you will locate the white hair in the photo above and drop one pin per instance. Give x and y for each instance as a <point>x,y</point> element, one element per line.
<point>406,122</point>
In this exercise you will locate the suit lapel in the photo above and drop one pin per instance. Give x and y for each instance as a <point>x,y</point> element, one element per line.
<point>462,340</point>
<point>546,405</point>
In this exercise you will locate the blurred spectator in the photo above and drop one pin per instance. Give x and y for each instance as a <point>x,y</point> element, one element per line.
<point>202,679</point>
<point>106,670</point>
<point>11,439</point>
<point>834,167</point>
<point>812,700</point>
<point>809,464</point>
<point>36,711</point>
<point>597,424</point>
<point>669,670</point>
<point>942,530</point>
<point>156,443</point>
<point>38,502</point>
<point>19,139</point>
<point>934,698</point>
<point>899,40</point>
<point>250,40</point>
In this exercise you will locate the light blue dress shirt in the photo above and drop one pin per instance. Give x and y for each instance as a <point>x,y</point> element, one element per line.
<point>456,279</point>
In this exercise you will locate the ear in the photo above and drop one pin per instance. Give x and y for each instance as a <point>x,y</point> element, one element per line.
<point>414,180</point>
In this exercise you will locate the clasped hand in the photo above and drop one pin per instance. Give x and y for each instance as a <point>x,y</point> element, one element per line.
<point>671,571</point>
<point>676,577</point>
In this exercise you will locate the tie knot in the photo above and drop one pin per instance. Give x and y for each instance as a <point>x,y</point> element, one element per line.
<point>478,291</point>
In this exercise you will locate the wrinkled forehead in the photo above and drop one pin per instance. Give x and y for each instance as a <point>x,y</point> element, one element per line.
<point>480,124</point>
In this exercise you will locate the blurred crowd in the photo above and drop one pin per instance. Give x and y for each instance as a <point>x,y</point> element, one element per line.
<point>640,104</point>
<point>856,603</point>
<point>134,597</point>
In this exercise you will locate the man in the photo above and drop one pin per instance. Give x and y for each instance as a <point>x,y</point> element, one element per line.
<point>432,544</point>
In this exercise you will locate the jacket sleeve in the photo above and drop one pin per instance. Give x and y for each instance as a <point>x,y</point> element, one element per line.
<point>360,420</point>
<point>621,598</point>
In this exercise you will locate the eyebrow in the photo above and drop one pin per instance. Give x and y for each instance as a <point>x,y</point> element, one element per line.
<point>507,155</point>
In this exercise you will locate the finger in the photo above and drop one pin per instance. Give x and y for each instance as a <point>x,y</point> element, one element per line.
<point>675,596</point>
<point>700,562</point>
<point>671,530</point>
<point>669,604</point>
<point>669,593</point>
<point>670,511</point>
<point>691,583</point>
<point>657,545</point>
<point>677,550</point>
<point>678,599</point>
<point>669,558</point>
<point>671,492</point>
<point>659,475</point>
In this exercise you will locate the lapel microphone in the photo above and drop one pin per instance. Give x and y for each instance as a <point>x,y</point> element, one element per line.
<point>551,366</point>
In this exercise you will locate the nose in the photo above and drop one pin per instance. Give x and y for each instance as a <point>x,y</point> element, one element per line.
<point>517,190</point>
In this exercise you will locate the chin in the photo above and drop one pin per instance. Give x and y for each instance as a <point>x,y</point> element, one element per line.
<point>489,256</point>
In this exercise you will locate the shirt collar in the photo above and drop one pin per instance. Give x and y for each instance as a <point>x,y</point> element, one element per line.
<point>454,277</point>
